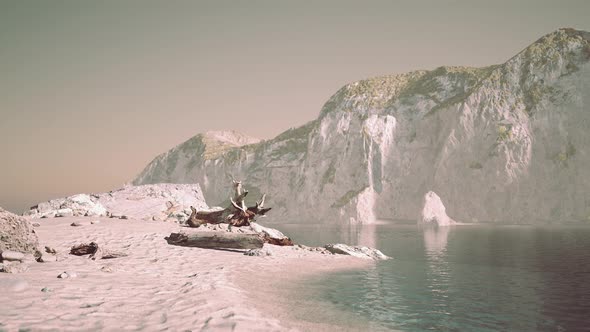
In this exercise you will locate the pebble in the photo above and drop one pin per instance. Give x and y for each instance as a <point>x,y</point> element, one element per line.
<point>46,290</point>
<point>36,224</point>
<point>95,222</point>
<point>80,223</point>
<point>65,275</point>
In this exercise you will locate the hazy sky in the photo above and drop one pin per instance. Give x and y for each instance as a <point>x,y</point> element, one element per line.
<point>91,91</point>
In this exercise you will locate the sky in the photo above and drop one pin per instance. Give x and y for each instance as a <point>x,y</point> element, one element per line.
<point>92,91</point>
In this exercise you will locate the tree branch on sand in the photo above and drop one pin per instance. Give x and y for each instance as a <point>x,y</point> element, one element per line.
<point>236,214</point>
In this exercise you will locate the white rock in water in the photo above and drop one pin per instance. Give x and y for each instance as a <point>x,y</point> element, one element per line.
<point>356,251</point>
<point>434,212</point>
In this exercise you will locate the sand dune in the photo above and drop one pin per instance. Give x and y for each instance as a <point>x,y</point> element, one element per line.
<point>160,286</point>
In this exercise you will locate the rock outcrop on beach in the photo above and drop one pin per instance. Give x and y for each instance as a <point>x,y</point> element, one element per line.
<point>504,143</point>
<point>71,206</point>
<point>434,212</point>
<point>18,242</point>
<point>162,201</point>
<point>17,234</point>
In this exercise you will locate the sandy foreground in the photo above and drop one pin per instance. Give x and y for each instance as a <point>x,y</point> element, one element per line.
<point>165,287</point>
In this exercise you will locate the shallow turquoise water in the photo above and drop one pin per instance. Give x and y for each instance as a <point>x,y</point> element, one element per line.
<point>463,278</point>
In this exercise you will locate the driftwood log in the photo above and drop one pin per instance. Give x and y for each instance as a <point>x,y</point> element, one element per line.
<point>236,214</point>
<point>94,251</point>
<point>216,240</point>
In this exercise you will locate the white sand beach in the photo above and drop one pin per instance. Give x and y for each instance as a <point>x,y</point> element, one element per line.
<point>165,287</point>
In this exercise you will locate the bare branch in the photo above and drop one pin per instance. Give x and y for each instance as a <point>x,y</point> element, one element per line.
<point>260,203</point>
<point>237,188</point>
<point>237,206</point>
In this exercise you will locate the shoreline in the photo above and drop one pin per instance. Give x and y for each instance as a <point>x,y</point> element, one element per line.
<point>159,286</point>
<point>283,294</point>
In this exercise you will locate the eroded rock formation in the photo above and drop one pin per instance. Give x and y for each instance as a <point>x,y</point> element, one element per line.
<point>505,143</point>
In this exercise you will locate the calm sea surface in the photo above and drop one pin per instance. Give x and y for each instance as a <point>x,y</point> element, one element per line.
<point>463,278</point>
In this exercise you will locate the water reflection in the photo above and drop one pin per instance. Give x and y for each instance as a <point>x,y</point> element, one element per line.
<point>319,235</point>
<point>435,241</point>
<point>471,278</point>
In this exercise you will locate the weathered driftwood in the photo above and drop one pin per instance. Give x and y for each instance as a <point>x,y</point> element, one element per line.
<point>237,214</point>
<point>216,240</point>
<point>94,251</point>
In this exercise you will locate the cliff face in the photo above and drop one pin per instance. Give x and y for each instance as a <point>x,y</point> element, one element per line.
<point>505,143</point>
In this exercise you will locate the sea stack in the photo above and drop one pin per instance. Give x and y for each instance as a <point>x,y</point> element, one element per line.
<point>434,212</point>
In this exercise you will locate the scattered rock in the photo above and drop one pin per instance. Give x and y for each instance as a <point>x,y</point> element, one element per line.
<point>46,290</point>
<point>65,275</point>
<point>76,205</point>
<point>36,224</point>
<point>8,255</point>
<point>123,217</point>
<point>94,222</point>
<point>434,212</point>
<point>259,252</point>
<point>80,223</point>
<point>48,214</point>
<point>64,213</point>
<point>356,251</point>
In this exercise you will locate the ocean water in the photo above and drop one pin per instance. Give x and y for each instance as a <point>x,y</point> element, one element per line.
<point>462,278</point>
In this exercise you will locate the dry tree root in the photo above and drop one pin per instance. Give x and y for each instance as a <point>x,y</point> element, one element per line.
<point>237,214</point>
<point>94,251</point>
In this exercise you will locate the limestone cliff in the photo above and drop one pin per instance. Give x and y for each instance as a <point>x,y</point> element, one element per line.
<point>505,143</point>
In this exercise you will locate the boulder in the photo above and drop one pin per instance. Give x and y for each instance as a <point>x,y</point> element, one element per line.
<point>64,213</point>
<point>48,214</point>
<point>9,255</point>
<point>271,235</point>
<point>17,234</point>
<point>83,205</point>
<point>356,251</point>
<point>433,211</point>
